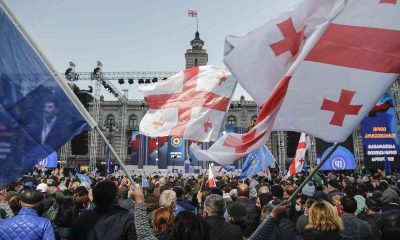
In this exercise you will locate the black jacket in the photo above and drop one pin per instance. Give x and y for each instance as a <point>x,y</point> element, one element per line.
<point>252,213</point>
<point>112,223</point>
<point>373,224</point>
<point>221,230</point>
<point>311,234</point>
<point>389,224</point>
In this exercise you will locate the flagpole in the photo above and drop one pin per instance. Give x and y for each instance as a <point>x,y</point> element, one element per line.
<point>116,156</point>
<point>308,178</point>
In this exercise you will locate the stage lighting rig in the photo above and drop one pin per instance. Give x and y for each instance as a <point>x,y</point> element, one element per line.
<point>70,72</point>
<point>97,74</point>
<point>154,80</point>
<point>121,81</point>
<point>130,80</point>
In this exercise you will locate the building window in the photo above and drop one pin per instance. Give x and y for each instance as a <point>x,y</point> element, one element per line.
<point>232,120</point>
<point>196,62</point>
<point>253,121</point>
<point>110,122</point>
<point>132,121</point>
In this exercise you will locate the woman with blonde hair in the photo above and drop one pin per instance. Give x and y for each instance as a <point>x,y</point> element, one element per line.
<point>324,222</point>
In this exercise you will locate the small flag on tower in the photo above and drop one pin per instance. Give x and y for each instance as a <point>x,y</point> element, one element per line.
<point>192,13</point>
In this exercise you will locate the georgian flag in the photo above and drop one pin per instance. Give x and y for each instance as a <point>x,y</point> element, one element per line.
<point>300,156</point>
<point>319,68</point>
<point>211,180</point>
<point>191,104</point>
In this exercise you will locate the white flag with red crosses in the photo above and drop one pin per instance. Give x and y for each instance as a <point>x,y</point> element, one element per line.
<point>319,69</point>
<point>298,161</point>
<point>191,104</point>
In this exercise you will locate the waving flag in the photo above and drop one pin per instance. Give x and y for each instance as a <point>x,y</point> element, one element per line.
<point>300,156</point>
<point>256,162</point>
<point>145,183</point>
<point>190,104</point>
<point>211,181</point>
<point>334,58</point>
<point>109,167</point>
<point>38,111</point>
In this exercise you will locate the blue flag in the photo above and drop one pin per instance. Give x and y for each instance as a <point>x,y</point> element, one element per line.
<point>109,167</point>
<point>256,162</point>
<point>37,112</point>
<point>84,178</point>
<point>229,168</point>
<point>388,167</point>
<point>49,162</point>
<point>145,183</point>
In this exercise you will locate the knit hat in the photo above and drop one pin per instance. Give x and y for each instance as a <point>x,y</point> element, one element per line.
<point>308,189</point>
<point>334,183</point>
<point>390,196</point>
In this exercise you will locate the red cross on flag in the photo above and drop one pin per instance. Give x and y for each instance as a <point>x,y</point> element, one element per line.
<point>190,104</point>
<point>322,81</point>
<point>300,155</point>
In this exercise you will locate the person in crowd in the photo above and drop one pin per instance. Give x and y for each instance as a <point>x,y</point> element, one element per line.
<point>4,206</point>
<point>181,203</point>
<point>187,224</point>
<point>214,209</point>
<point>107,220</point>
<point>324,222</point>
<point>390,200</point>
<point>353,226</point>
<point>27,224</point>
<point>332,188</point>
<point>82,200</point>
<point>124,200</point>
<point>263,199</point>
<point>163,222</point>
<point>369,214</point>
<point>389,220</point>
<point>302,221</point>
<point>252,213</point>
<point>237,215</point>
<point>168,199</point>
<point>151,200</point>
<point>277,191</point>
<point>66,214</point>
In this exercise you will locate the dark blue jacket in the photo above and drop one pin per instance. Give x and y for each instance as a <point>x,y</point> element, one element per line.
<point>26,225</point>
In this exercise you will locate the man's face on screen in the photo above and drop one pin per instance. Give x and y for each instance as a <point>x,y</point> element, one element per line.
<point>49,110</point>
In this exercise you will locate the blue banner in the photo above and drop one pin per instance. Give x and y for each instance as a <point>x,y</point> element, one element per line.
<point>176,151</point>
<point>341,159</point>
<point>84,178</point>
<point>36,116</point>
<point>380,135</point>
<point>49,162</point>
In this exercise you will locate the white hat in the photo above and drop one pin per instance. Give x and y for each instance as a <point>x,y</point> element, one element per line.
<point>42,187</point>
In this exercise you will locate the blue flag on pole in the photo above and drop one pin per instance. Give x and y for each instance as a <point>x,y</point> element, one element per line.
<point>145,183</point>
<point>49,162</point>
<point>84,178</point>
<point>256,162</point>
<point>38,111</point>
<point>109,168</point>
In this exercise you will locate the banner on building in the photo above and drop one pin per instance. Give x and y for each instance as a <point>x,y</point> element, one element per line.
<point>380,135</point>
<point>341,159</point>
<point>176,151</point>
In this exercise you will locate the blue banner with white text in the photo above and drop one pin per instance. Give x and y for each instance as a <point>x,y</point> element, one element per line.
<point>176,151</point>
<point>380,135</point>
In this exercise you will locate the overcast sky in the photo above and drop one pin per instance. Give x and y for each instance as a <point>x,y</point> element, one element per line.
<point>133,35</point>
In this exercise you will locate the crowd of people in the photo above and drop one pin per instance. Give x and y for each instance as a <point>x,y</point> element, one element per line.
<point>51,205</point>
